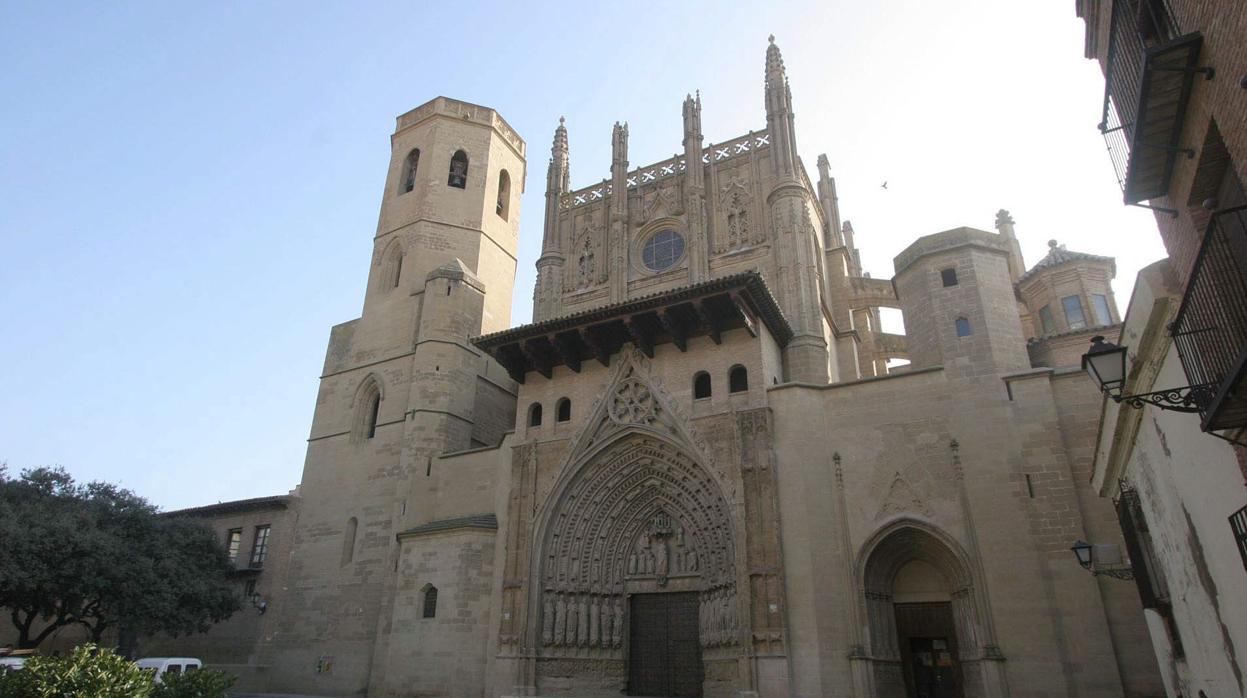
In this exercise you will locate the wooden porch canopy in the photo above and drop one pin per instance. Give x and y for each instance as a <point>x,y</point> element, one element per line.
<point>708,309</point>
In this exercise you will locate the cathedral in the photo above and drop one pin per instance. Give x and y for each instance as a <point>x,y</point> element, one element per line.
<point>694,473</point>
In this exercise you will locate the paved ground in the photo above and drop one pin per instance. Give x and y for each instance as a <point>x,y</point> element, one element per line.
<point>271,695</point>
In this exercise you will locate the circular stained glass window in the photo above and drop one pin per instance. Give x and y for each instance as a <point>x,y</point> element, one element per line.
<point>663,250</point>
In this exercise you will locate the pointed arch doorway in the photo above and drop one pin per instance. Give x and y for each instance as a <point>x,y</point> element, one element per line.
<point>637,566</point>
<point>922,615</point>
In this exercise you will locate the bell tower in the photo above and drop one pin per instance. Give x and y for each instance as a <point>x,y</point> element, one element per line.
<point>402,385</point>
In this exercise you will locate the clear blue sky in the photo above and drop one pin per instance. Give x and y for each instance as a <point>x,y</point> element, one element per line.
<point>188,191</point>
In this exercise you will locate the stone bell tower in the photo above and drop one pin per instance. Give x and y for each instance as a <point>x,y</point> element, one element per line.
<point>402,385</point>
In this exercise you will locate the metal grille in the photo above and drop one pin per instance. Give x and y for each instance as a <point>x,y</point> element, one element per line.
<point>1238,523</point>
<point>664,657</point>
<point>1134,26</point>
<point>1210,329</point>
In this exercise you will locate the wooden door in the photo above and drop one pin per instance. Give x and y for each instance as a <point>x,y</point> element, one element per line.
<point>928,644</point>
<point>664,657</point>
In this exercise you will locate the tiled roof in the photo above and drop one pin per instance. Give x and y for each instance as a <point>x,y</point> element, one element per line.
<point>1058,255</point>
<point>280,501</point>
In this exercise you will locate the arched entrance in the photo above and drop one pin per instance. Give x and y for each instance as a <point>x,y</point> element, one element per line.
<point>922,615</point>
<point>637,576</point>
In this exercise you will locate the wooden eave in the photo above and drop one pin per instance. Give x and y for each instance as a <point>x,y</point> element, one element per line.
<point>707,309</point>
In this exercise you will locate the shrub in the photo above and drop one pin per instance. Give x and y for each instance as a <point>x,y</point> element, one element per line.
<point>204,683</point>
<point>88,672</point>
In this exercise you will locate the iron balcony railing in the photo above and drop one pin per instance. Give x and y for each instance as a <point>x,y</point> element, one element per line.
<point>1148,73</point>
<point>1210,329</point>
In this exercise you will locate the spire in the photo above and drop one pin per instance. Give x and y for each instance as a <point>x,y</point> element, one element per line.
<point>1004,226</point>
<point>830,202</point>
<point>779,113</point>
<point>558,179</point>
<point>619,145</point>
<point>774,65</point>
<point>692,117</point>
<point>558,183</point>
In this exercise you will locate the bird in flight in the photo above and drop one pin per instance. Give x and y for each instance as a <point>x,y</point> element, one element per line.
<point>885,184</point>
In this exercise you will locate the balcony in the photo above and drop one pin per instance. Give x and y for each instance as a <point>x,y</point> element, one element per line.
<point>1210,329</point>
<point>1149,73</point>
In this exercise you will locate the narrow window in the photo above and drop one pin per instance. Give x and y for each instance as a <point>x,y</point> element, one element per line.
<point>367,407</point>
<point>348,540</point>
<point>1045,318</point>
<point>408,181</point>
<point>430,602</point>
<point>504,195</point>
<point>701,385</point>
<point>259,546</point>
<point>370,421</point>
<point>391,266</point>
<point>233,541</point>
<point>534,415</point>
<point>458,170</point>
<point>949,276</point>
<point>963,327</point>
<point>563,410</point>
<point>1099,303</point>
<point>1074,319</point>
<point>737,379</point>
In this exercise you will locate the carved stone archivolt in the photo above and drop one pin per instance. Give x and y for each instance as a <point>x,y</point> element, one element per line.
<point>637,509</point>
<point>642,509</point>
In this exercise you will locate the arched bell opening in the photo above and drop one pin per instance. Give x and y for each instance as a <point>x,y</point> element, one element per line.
<point>922,614</point>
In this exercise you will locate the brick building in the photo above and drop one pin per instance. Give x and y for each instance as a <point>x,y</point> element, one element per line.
<point>1173,119</point>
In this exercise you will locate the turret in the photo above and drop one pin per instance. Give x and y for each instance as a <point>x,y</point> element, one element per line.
<point>618,212</point>
<point>797,242</point>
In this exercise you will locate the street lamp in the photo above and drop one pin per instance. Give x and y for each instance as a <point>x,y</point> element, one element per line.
<point>1082,550</point>
<point>1105,362</point>
<point>1085,552</point>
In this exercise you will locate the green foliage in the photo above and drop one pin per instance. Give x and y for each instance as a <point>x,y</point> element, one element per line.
<point>204,683</point>
<point>102,557</point>
<point>89,672</point>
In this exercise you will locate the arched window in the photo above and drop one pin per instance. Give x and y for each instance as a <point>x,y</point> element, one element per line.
<point>408,180</point>
<point>504,195</point>
<point>367,408</point>
<point>458,170</point>
<point>391,266</point>
<point>429,606</point>
<point>534,415</point>
<point>370,424</point>
<point>963,327</point>
<point>701,385</point>
<point>738,379</point>
<point>563,410</point>
<point>348,540</point>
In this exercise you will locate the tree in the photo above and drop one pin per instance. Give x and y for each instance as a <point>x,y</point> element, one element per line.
<point>104,558</point>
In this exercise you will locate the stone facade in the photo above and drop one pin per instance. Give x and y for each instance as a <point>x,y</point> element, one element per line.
<point>1177,478</point>
<point>693,474</point>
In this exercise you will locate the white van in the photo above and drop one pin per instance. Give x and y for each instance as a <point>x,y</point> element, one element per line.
<point>159,667</point>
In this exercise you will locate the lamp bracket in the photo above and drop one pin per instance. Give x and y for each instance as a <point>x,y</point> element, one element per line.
<point>1189,398</point>
<point>1123,572</point>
